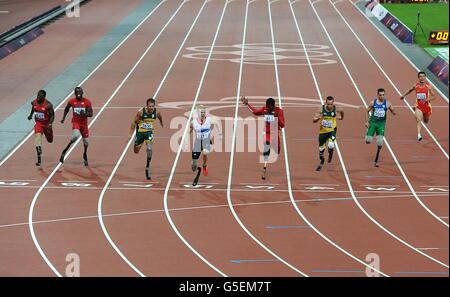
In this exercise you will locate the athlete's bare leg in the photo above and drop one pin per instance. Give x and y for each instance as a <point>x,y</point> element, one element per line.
<point>137,148</point>
<point>205,164</point>
<point>419,118</point>
<point>75,135</point>
<point>85,146</point>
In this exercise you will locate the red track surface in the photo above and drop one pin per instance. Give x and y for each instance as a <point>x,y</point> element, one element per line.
<point>35,65</point>
<point>134,216</point>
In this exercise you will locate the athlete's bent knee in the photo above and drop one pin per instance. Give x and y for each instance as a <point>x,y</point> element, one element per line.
<point>75,135</point>
<point>38,139</point>
<point>380,140</point>
<point>331,145</point>
<point>369,139</point>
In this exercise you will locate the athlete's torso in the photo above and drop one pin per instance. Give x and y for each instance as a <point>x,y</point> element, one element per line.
<point>422,93</point>
<point>379,111</point>
<point>328,121</point>
<point>271,119</point>
<point>79,106</point>
<point>40,111</point>
<point>202,128</point>
<point>147,120</point>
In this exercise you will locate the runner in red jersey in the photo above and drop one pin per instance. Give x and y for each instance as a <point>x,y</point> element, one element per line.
<point>82,109</point>
<point>424,95</point>
<point>272,127</point>
<point>44,114</point>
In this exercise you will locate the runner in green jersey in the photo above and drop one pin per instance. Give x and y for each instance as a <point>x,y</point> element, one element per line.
<point>376,120</point>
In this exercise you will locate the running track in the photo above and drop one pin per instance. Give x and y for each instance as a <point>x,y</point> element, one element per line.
<point>300,222</point>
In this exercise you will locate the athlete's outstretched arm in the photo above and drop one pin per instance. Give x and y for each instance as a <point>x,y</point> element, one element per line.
<point>31,112</point>
<point>391,108</point>
<point>432,94</point>
<point>407,92</point>
<point>89,112</point>
<point>134,123</point>
<point>51,113</point>
<point>368,110</point>
<point>317,115</point>
<point>281,121</point>
<point>255,111</point>
<point>159,116</point>
<point>341,112</point>
<point>66,111</point>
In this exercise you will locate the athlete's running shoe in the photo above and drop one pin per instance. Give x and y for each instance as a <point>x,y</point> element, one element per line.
<point>419,137</point>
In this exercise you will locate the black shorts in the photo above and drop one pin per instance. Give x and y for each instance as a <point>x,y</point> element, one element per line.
<point>324,137</point>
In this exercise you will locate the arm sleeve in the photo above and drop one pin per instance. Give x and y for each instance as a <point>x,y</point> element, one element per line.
<point>281,118</point>
<point>255,111</point>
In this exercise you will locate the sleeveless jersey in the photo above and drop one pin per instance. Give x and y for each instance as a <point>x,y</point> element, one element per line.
<point>202,129</point>
<point>40,111</point>
<point>78,107</point>
<point>422,93</point>
<point>328,122</point>
<point>379,111</point>
<point>146,121</point>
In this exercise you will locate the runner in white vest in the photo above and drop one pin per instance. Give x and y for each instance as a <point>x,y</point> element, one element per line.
<point>202,139</point>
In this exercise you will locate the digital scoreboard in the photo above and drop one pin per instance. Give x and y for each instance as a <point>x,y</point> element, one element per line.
<point>438,37</point>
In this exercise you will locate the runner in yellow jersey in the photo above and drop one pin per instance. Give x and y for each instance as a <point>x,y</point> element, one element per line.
<point>143,123</point>
<point>327,115</point>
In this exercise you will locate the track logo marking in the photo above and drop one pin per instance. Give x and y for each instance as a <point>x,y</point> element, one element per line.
<point>287,54</point>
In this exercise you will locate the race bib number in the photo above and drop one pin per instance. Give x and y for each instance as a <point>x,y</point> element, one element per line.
<point>39,116</point>
<point>421,96</point>
<point>379,113</point>
<point>147,126</point>
<point>327,124</point>
<point>78,110</point>
<point>269,118</point>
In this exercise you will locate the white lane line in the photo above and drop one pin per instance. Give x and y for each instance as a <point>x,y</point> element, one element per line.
<point>425,194</point>
<point>299,106</point>
<point>444,97</point>
<point>4,11</point>
<point>343,165</point>
<point>386,141</point>
<point>432,249</point>
<point>166,192</point>
<point>233,145</point>
<point>172,172</point>
<point>337,148</point>
<point>85,79</point>
<point>390,80</point>
<point>203,207</point>
<point>288,174</point>
<point>17,180</point>
<point>36,196</point>
<point>100,200</point>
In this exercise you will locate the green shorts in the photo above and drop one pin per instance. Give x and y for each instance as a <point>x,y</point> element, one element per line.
<point>376,127</point>
<point>143,136</point>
